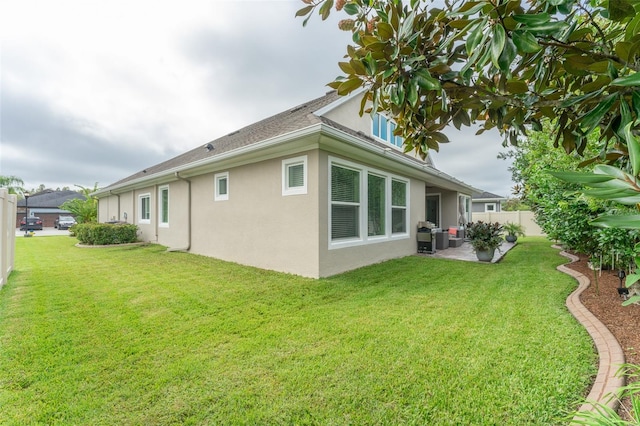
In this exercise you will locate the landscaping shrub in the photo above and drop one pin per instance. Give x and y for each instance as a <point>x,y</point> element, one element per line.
<point>105,233</point>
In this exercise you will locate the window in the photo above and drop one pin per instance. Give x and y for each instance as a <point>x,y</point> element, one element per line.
<point>376,200</point>
<point>221,182</point>
<point>366,205</point>
<point>383,128</point>
<point>345,203</point>
<point>294,176</point>
<point>163,207</point>
<point>490,207</point>
<point>144,208</point>
<point>398,206</point>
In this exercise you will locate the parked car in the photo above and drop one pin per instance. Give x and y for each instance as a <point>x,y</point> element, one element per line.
<point>32,223</point>
<point>64,222</point>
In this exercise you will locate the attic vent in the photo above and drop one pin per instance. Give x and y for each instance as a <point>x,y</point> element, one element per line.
<point>209,147</point>
<point>233,133</point>
<point>298,108</point>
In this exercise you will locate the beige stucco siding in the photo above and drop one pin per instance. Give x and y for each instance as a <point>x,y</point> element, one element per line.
<point>348,114</point>
<point>257,225</point>
<point>174,234</point>
<point>337,260</point>
<point>449,200</point>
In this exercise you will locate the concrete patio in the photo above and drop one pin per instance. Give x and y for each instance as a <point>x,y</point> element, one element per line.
<point>465,252</point>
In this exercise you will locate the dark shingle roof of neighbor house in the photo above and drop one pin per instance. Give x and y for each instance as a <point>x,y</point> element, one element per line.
<point>293,119</point>
<point>486,196</point>
<point>50,198</point>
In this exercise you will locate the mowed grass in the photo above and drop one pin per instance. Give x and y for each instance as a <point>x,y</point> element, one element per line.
<point>141,336</point>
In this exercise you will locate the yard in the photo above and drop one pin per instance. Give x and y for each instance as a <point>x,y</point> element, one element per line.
<point>137,335</point>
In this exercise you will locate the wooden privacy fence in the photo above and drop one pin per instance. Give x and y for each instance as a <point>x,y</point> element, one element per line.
<point>8,206</point>
<point>524,218</point>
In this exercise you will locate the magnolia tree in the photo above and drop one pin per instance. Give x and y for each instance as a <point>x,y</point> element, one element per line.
<point>508,65</point>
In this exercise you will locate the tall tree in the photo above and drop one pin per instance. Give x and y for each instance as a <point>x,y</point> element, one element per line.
<point>85,210</point>
<point>14,184</point>
<point>505,64</point>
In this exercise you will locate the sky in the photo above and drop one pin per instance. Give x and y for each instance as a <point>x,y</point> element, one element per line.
<point>94,91</point>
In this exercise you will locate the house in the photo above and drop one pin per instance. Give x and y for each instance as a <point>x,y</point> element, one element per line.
<point>315,190</point>
<point>486,202</point>
<point>46,205</point>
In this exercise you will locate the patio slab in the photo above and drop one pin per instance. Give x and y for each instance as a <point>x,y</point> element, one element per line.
<point>465,252</point>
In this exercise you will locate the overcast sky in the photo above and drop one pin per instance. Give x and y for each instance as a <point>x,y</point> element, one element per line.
<point>94,91</point>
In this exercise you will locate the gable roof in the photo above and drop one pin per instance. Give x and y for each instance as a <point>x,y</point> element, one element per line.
<point>486,196</point>
<point>296,119</point>
<point>50,198</point>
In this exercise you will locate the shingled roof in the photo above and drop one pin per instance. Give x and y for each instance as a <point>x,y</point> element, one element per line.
<point>50,199</point>
<point>294,119</point>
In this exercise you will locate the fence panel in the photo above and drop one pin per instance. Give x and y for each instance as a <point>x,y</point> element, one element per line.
<point>8,206</point>
<point>524,218</point>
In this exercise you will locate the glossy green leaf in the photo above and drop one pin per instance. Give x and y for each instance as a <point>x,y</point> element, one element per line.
<point>469,8</point>
<point>304,11</point>
<point>525,42</point>
<point>507,56</point>
<point>325,9</point>
<point>532,19</point>
<point>497,44</point>
<point>351,9</point>
<point>629,80</point>
<point>475,37</point>
<point>620,9</point>
<point>385,31</point>
<point>633,146</point>
<point>590,121</point>
<point>631,301</point>
<point>349,86</point>
<point>580,177</point>
<point>425,81</point>
<point>617,221</point>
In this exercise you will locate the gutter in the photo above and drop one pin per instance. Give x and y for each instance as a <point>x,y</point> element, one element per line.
<point>188,247</point>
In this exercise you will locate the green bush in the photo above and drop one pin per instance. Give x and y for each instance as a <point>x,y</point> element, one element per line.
<point>105,233</point>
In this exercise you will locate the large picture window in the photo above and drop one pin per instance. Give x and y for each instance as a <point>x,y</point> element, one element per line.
<point>367,205</point>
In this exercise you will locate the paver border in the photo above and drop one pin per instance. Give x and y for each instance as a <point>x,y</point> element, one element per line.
<point>610,354</point>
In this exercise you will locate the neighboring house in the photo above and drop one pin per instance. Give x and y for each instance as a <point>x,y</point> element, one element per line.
<point>46,205</point>
<point>486,202</point>
<point>315,191</point>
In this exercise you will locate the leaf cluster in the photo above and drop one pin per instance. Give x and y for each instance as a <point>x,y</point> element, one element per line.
<point>505,64</point>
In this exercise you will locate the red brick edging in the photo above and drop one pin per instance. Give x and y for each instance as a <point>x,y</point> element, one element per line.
<point>609,350</point>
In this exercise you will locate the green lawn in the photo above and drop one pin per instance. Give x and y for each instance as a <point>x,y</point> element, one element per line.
<point>139,336</point>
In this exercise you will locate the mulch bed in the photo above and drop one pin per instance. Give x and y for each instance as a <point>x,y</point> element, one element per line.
<point>602,299</point>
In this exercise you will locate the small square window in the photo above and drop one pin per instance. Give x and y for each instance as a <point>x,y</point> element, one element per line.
<point>294,176</point>
<point>221,182</point>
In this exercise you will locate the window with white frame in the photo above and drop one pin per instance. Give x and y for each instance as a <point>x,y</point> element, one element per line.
<point>294,176</point>
<point>383,128</point>
<point>398,206</point>
<point>345,202</point>
<point>367,205</point>
<point>489,207</point>
<point>163,205</point>
<point>221,182</point>
<point>144,208</point>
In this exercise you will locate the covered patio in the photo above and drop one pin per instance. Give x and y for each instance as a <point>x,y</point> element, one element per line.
<point>465,252</point>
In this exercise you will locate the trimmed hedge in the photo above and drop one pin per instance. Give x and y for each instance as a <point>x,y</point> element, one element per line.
<point>105,233</point>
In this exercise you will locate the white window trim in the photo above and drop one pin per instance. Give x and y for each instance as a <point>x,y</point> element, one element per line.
<point>160,207</point>
<point>217,177</point>
<point>286,190</point>
<point>364,238</point>
<point>140,219</point>
<point>389,133</point>
<point>487,210</point>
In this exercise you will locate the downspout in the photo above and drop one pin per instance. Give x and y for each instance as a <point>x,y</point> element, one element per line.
<point>188,247</point>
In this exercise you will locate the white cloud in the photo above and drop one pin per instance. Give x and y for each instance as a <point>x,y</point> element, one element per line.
<point>94,91</point>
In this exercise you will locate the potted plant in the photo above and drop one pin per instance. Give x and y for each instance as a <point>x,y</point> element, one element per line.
<point>513,230</point>
<point>485,238</point>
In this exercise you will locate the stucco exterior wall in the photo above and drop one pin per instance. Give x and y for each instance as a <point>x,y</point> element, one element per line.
<point>449,200</point>
<point>348,114</point>
<point>257,225</point>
